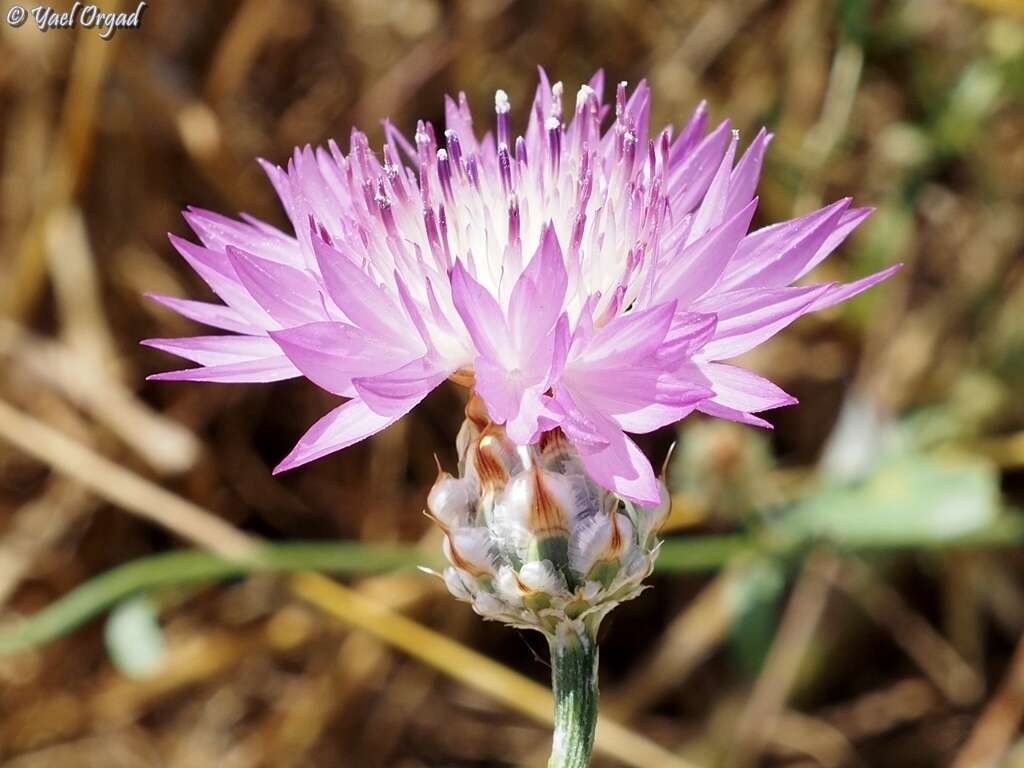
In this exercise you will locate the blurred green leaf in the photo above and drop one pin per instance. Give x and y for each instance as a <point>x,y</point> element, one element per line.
<point>911,500</point>
<point>971,101</point>
<point>758,597</point>
<point>134,640</point>
<point>854,17</point>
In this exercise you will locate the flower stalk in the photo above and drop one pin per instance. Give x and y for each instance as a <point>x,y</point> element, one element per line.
<point>534,542</point>
<point>574,657</point>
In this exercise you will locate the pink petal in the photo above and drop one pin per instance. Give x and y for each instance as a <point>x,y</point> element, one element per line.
<point>283,187</point>
<point>749,317</point>
<point>536,413</point>
<point>560,347</point>
<point>849,221</point>
<point>690,135</point>
<point>363,301</point>
<point>347,424</point>
<point>653,416</point>
<point>690,178</point>
<point>638,399</point>
<point>217,232</point>
<point>214,315</point>
<point>501,391</point>
<point>480,312</point>
<point>597,83</point>
<point>743,390</point>
<point>623,468</point>
<point>331,354</point>
<point>712,209</point>
<point>842,292</point>
<point>397,140</point>
<point>536,300</point>
<point>216,270</point>
<point>539,111</point>
<point>686,336</point>
<point>610,458</point>
<point>264,370</point>
<point>413,312</point>
<point>627,339</point>
<point>747,172</point>
<point>776,255</point>
<point>700,264</point>
<point>217,350</point>
<point>392,392</point>
<point>638,110</point>
<point>731,414</point>
<point>313,190</point>
<point>583,428</point>
<point>289,295</point>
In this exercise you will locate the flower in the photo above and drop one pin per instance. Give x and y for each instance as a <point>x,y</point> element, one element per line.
<point>586,280</point>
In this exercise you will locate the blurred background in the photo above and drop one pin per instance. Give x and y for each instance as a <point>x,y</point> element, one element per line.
<point>846,590</point>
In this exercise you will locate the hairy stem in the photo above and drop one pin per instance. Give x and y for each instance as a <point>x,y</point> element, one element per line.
<point>574,680</point>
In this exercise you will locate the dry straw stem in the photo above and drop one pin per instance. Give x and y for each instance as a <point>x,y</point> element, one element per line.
<point>1006,450</point>
<point>999,723</point>
<point>885,709</point>
<point>1015,7</point>
<point>148,500</point>
<point>936,658</point>
<point>76,286</point>
<point>796,632</point>
<point>796,734</point>
<point>163,444</point>
<point>121,486</point>
<point>691,637</point>
<point>240,46</point>
<point>37,526</point>
<point>89,69</point>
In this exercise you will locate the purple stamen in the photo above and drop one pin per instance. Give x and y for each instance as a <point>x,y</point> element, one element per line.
<point>444,175</point>
<point>501,109</point>
<point>454,148</point>
<point>554,128</point>
<point>505,168</point>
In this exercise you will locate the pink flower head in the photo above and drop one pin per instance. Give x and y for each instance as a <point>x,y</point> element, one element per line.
<point>586,280</point>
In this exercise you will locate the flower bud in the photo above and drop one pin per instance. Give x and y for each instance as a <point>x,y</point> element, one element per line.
<point>473,425</point>
<point>455,580</point>
<point>657,516</point>
<point>491,461</point>
<point>541,576</point>
<point>540,581</point>
<point>449,501</point>
<point>476,412</point>
<point>471,550</point>
<point>600,545</point>
<point>558,454</point>
<point>532,516</point>
<point>533,541</point>
<point>509,586</point>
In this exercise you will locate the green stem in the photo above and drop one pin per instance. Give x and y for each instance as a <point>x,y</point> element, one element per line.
<point>574,681</point>
<point>181,567</point>
<point>190,566</point>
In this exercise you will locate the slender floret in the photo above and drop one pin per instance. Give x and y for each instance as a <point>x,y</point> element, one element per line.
<point>586,280</point>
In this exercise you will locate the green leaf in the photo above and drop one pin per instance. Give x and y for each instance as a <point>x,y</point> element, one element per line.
<point>134,640</point>
<point>911,500</point>
<point>758,597</point>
